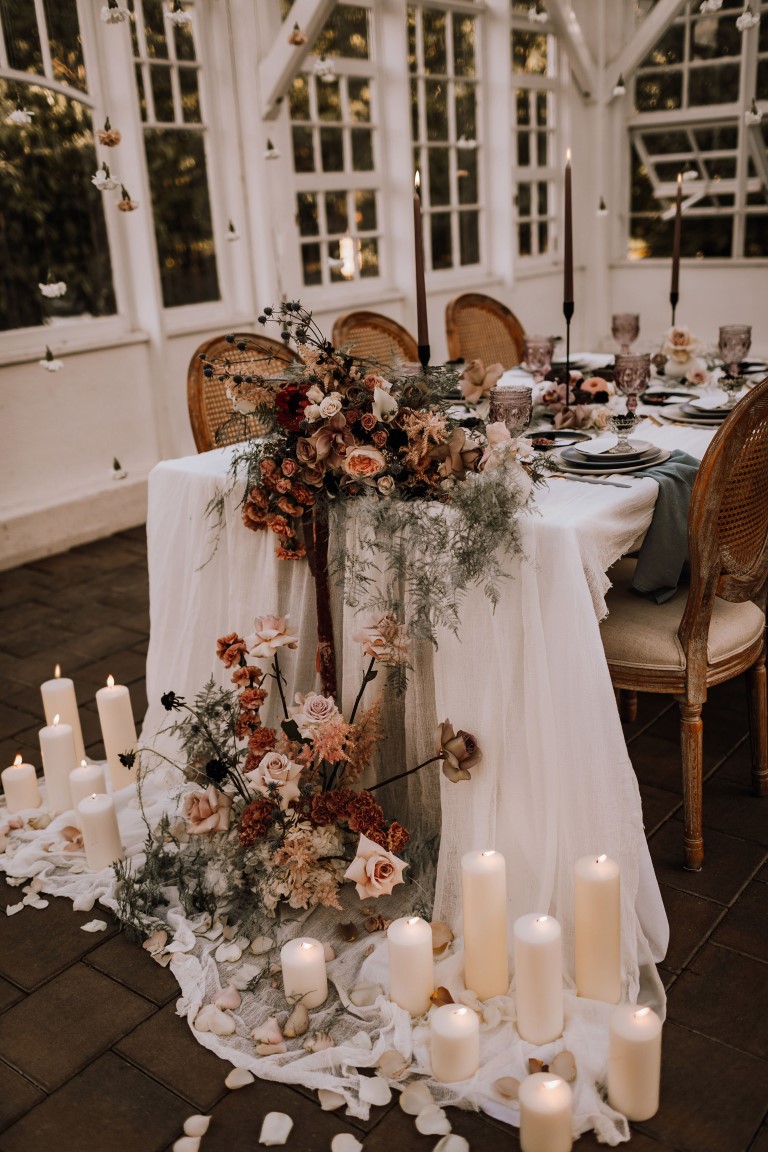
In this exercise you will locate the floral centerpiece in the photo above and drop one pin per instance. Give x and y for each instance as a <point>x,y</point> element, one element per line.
<point>589,398</point>
<point>682,358</point>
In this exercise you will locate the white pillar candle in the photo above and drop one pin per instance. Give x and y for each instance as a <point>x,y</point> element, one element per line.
<point>484,904</point>
<point>546,1107</point>
<point>634,1062</point>
<point>57,747</point>
<point>118,730</point>
<point>538,978</point>
<point>20,786</point>
<point>101,834</point>
<point>85,781</point>
<point>304,977</point>
<point>597,928</point>
<point>59,700</point>
<point>411,964</point>
<point>455,1036</point>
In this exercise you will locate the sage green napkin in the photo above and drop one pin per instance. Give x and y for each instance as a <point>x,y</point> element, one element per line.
<point>664,550</point>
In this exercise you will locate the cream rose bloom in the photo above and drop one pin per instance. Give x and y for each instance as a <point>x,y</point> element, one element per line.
<point>315,394</point>
<point>313,710</point>
<point>276,770</point>
<point>270,633</point>
<point>207,811</point>
<point>330,405</point>
<point>680,345</point>
<point>374,871</point>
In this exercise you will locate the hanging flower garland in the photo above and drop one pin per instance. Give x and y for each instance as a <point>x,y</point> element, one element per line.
<point>50,363</point>
<point>112,13</point>
<point>108,136</point>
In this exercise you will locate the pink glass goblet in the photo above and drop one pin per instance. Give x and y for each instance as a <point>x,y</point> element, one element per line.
<point>512,404</point>
<point>734,344</point>
<point>625,328</point>
<point>537,354</point>
<point>631,373</point>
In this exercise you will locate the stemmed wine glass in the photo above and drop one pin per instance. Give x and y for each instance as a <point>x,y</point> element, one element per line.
<point>631,373</point>
<point>734,344</point>
<point>625,329</point>
<point>537,354</point>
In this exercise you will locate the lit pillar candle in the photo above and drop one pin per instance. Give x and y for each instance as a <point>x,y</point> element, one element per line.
<point>101,834</point>
<point>455,1037</point>
<point>85,781</point>
<point>59,700</point>
<point>20,786</point>
<point>634,1062</point>
<point>118,730</point>
<point>597,928</point>
<point>304,977</point>
<point>538,978</point>
<point>57,747</point>
<point>546,1107</point>
<point>411,964</point>
<point>484,905</point>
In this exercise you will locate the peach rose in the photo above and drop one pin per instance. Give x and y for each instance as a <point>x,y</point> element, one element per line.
<point>276,770</point>
<point>374,871</point>
<point>364,463</point>
<point>459,752</point>
<point>271,633</point>
<point>207,811</point>
<point>384,639</point>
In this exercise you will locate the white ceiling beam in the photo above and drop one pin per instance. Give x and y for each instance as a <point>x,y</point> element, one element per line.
<point>569,33</point>
<point>637,48</point>
<point>283,62</point>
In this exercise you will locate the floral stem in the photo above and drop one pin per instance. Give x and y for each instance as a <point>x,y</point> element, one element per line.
<point>410,772</point>
<point>279,679</point>
<point>368,671</point>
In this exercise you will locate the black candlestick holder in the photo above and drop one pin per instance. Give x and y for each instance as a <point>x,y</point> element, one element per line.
<point>568,313</point>
<point>673,299</point>
<point>424,355</point>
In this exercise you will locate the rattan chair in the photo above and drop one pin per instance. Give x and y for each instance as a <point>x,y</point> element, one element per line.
<point>375,337</point>
<point>717,629</point>
<point>481,328</point>
<point>210,409</point>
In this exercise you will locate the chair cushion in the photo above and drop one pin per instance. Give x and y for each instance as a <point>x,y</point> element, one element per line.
<point>640,633</point>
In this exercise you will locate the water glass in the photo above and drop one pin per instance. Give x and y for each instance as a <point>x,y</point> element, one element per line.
<point>512,404</point>
<point>734,344</point>
<point>537,354</point>
<point>631,373</point>
<point>625,328</point>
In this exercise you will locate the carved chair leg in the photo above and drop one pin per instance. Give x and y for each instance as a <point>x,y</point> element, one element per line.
<point>627,705</point>
<point>758,725</point>
<point>692,751</point>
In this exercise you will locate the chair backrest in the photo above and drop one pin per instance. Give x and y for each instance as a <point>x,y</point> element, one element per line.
<point>210,409</point>
<point>481,328</point>
<point>728,517</point>
<point>374,337</point>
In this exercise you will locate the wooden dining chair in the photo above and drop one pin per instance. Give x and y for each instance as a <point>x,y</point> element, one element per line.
<point>374,337</point>
<point>481,328</point>
<point>210,409</point>
<point>717,629</point>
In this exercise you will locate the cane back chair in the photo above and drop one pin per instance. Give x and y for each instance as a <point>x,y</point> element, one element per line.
<point>717,630</point>
<point>481,328</point>
<point>210,409</point>
<point>374,337</point>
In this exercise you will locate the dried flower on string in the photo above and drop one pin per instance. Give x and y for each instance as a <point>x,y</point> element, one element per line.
<point>297,37</point>
<point>232,232</point>
<point>20,114</point>
<point>112,13</point>
<point>50,363</point>
<point>52,289</point>
<point>270,152</point>
<point>177,15</point>
<point>536,13</point>
<point>125,204</point>
<point>104,180</point>
<point>710,5</point>
<point>747,20</point>
<point>325,69</point>
<point>118,472</point>
<point>620,88</point>
<point>108,136</point>
<point>753,115</point>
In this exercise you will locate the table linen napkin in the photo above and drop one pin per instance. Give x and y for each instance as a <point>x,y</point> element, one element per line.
<point>664,550</point>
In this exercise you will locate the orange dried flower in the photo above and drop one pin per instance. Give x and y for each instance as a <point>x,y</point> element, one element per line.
<point>230,648</point>
<point>247,675</point>
<point>397,837</point>
<point>254,821</point>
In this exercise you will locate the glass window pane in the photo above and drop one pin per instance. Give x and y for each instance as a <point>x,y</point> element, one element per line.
<point>345,33</point>
<point>65,42</point>
<point>303,150</point>
<point>369,257</point>
<point>306,214</point>
<point>178,180</point>
<point>523,149</point>
<point>467,175</point>
<point>331,150</point>
<point>669,49</point>
<point>719,85</point>
<point>442,246</point>
<point>523,106</point>
<point>52,217</point>
<point>712,37</point>
<point>435,59</point>
<point>336,212</point>
<point>542,199</point>
<point>463,45</point>
<point>365,211</point>
<point>542,108</point>
<point>140,91</point>
<point>154,28</point>
<point>190,95</point>
<point>162,93</point>
<point>437,110</point>
<point>184,39</point>
<point>659,91</point>
<point>721,168</point>
<point>310,261</point>
<point>524,199</point>
<point>542,149</point>
<point>529,52</point>
<point>298,98</point>
<point>336,265</point>
<point>359,98</point>
<point>329,100</point>
<point>415,133</point>
<point>762,76</point>
<point>466,123</point>
<point>362,149</point>
<point>543,238</point>
<point>439,186</point>
<point>716,139</point>
<point>469,237</point>
<point>411,25</point>
<point>22,39</point>
<point>756,236</point>
<point>662,143</point>
<point>524,240</point>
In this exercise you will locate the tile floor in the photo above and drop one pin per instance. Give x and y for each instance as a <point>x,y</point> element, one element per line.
<point>92,1055</point>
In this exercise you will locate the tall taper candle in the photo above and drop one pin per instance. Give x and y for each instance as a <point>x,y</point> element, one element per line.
<point>484,904</point>
<point>411,964</point>
<point>422,327</point>
<point>101,834</point>
<point>634,1062</point>
<point>538,978</point>
<point>597,928</point>
<point>118,730</point>
<point>674,288</point>
<point>57,747</point>
<point>59,700</point>
<point>568,235</point>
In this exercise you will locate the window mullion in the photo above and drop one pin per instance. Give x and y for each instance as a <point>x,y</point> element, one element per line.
<point>45,46</point>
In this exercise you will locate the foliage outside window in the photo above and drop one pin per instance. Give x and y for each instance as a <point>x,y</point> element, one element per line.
<point>51,216</point>
<point>442,60</point>
<point>168,89</point>
<point>692,96</point>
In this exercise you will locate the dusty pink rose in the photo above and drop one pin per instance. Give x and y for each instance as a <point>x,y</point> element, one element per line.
<point>384,639</point>
<point>364,463</point>
<point>459,752</point>
<point>271,633</point>
<point>497,433</point>
<point>698,373</point>
<point>313,710</point>
<point>374,871</point>
<point>207,811</point>
<point>276,770</point>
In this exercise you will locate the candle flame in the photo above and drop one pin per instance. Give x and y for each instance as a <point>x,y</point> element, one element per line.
<point>550,1084</point>
<point>306,945</point>
<point>110,681</point>
<point>492,852</point>
<point>461,1011</point>
<point>567,155</point>
<point>413,919</point>
<point>93,796</point>
<point>56,719</point>
<point>417,180</point>
<point>17,760</point>
<point>83,764</point>
<point>601,859</point>
<point>57,671</point>
<point>679,179</point>
<point>541,919</point>
<point>641,1012</point>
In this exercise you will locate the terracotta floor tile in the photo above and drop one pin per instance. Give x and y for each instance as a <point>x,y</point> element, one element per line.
<point>731,806</point>
<point>9,994</point>
<point>397,1130</point>
<point>724,995</point>
<point>691,919</point>
<point>126,961</point>
<point>659,804</point>
<point>712,1098</point>
<point>109,1107</point>
<point>745,927</point>
<point>236,1121</point>
<point>27,956</point>
<point>105,641</point>
<point>728,863</point>
<point>62,1026</point>
<point>17,1095</point>
<point>165,1048</point>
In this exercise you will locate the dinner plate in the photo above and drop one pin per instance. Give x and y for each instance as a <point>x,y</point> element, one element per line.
<point>601,447</point>
<point>675,415</point>
<point>566,466</point>
<point>697,408</point>
<point>668,396</point>
<point>556,438</point>
<point>573,456</point>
